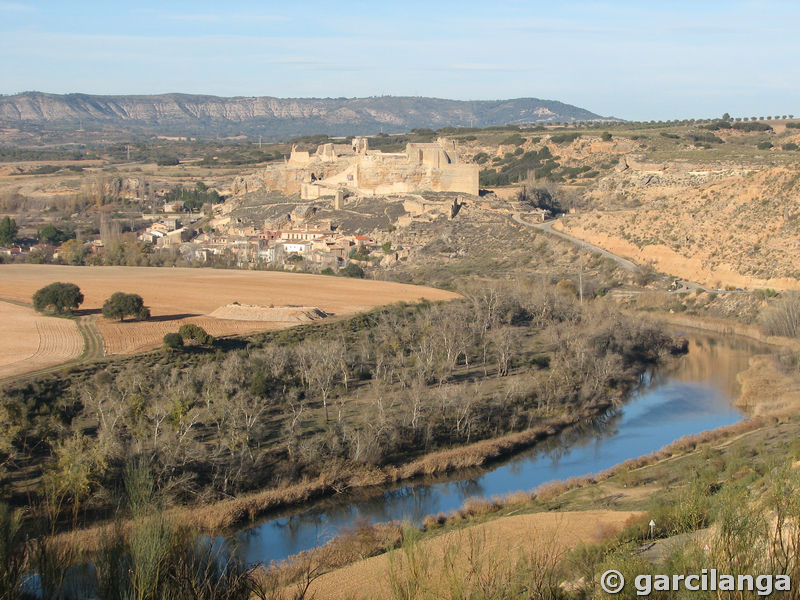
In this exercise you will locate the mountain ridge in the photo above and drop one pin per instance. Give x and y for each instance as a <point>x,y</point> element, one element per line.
<point>272,117</point>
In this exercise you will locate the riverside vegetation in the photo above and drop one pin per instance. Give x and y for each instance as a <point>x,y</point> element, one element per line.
<point>317,409</point>
<point>722,500</point>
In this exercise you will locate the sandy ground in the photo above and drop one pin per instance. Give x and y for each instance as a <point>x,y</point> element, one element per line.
<point>176,296</point>
<point>737,228</point>
<point>32,341</point>
<point>544,535</point>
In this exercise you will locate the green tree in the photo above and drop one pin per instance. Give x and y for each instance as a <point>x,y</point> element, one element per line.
<point>173,341</point>
<point>49,234</point>
<point>8,230</point>
<point>195,333</point>
<point>61,297</point>
<point>121,305</point>
<point>605,136</point>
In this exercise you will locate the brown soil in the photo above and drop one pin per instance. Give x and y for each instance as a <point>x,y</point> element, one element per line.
<point>32,341</point>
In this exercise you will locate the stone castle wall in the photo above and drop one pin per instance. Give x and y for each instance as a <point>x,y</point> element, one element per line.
<point>423,167</point>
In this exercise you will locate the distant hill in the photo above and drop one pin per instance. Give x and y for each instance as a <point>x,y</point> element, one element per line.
<point>273,118</point>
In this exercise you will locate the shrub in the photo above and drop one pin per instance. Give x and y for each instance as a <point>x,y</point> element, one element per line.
<point>167,161</point>
<point>173,341</point>
<point>752,126</point>
<point>353,270</point>
<point>61,297</point>
<point>717,125</point>
<point>790,146</point>
<point>708,138</point>
<point>605,136</point>
<point>764,145</point>
<point>564,138</point>
<point>195,333</point>
<point>795,125</point>
<point>514,140</point>
<point>121,305</point>
<point>360,254</point>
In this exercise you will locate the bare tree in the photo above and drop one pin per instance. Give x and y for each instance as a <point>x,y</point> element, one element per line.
<point>505,341</point>
<point>783,317</point>
<point>319,362</point>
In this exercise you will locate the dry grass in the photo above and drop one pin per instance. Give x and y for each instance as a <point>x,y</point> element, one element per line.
<point>540,533</point>
<point>32,341</point>
<point>176,296</point>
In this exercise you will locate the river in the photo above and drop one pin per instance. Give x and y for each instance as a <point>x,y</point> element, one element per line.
<point>693,394</point>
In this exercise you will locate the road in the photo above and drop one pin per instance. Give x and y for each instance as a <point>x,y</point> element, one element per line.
<point>548,227</point>
<point>628,265</point>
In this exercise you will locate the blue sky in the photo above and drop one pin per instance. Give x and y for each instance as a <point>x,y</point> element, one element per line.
<point>635,60</point>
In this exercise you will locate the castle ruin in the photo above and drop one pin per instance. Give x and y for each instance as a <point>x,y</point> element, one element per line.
<point>338,169</point>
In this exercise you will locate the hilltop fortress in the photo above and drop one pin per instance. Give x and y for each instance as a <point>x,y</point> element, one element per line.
<point>336,169</point>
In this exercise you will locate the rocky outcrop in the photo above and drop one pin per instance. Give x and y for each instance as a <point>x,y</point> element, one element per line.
<point>276,117</point>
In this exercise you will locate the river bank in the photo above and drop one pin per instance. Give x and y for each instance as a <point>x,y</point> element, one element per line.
<point>712,357</point>
<point>341,476</point>
<point>226,514</point>
<point>248,508</point>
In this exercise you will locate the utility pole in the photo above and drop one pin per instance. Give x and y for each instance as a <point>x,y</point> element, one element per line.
<point>259,142</point>
<point>129,152</point>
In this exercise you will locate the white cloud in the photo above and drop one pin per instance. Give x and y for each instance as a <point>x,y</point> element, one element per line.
<point>15,7</point>
<point>223,17</point>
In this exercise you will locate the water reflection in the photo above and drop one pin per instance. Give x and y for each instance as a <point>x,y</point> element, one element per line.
<point>691,396</point>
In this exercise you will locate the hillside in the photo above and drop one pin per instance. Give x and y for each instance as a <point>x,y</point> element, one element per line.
<point>274,118</point>
<point>724,216</point>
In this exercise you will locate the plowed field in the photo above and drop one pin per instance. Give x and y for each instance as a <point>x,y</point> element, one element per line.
<point>32,341</point>
<point>176,296</point>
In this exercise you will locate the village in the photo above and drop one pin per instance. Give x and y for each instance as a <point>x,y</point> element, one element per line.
<point>305,216</point>
<point>296,246</point>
